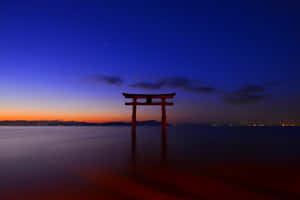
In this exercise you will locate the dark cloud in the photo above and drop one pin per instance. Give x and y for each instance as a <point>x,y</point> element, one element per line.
<point>241,99</point>
<point>204,89</point>
<point>147,85</point>
<point>249,94</point>
<point>251,89</point>
<point>111,80</point>
<point>174,82</point>
<point>278,83</point>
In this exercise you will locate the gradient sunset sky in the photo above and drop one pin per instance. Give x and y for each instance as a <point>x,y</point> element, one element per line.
<point>226,60</point>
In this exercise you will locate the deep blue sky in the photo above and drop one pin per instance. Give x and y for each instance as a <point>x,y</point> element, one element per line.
<point>227,60</point>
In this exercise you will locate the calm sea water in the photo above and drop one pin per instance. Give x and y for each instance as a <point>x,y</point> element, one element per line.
<point>35,154</point>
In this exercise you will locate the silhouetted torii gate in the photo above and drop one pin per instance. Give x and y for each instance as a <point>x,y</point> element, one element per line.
<point>148,97</point>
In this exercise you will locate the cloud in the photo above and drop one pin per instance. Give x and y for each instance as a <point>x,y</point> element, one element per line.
<point>110,80</point>
<point>147,85</point>
<point>275,83</point>
<point>174,82</point>
<point>249,94</point>
<point>170,82</point>
<point>203,89</point>
<point>238,99</point>
<point>251,89</point>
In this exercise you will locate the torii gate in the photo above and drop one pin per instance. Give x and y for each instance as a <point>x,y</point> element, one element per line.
<point>163,103</point>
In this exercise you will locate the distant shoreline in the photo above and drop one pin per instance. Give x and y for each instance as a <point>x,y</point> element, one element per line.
<point>76,123</point>
<point>120,123</point>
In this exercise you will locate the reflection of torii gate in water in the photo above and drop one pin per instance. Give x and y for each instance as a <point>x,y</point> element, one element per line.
<point>163,103</point>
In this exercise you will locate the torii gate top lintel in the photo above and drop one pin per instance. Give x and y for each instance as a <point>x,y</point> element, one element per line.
<point>168,95</point>
<point>149,98</point>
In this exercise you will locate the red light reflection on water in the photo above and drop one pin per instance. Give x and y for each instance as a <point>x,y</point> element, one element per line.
<point>227,181</point>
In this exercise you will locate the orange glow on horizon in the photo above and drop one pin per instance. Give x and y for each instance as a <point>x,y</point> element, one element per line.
<point>29,115</point>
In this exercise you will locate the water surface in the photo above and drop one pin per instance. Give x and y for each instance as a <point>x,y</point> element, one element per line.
<point>36,156</point>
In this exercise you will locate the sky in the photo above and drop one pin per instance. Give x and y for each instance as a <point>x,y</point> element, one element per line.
<point>226,60</point>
